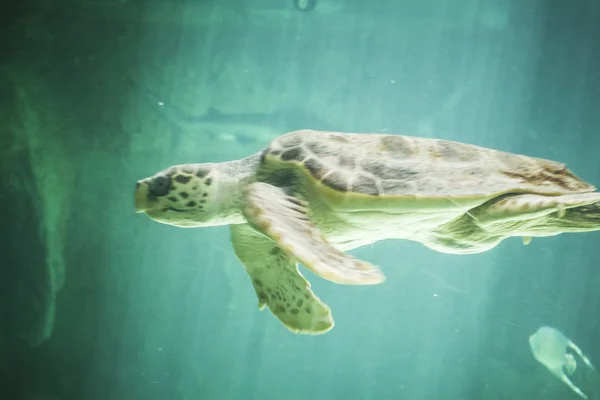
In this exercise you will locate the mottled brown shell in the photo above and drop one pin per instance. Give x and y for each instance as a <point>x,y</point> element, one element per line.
<point>395,166</point>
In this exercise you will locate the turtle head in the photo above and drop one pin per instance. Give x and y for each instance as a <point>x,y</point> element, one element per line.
<point>190,195</point>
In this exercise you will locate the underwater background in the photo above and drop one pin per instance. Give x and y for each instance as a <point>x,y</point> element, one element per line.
<point>98,302</point>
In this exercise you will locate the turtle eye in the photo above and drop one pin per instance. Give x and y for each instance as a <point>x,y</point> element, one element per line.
<point>160,185</point>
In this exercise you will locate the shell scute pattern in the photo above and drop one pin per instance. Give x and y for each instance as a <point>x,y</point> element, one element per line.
<point>546,174</point>
<point>401,146</point>
<point>394,186</point>
<point>365,184</point>
<point>450,152</point>
<point>389,170</point>
<point>394,165</point>
<point>337,181</point>
<point>293,154</point>
<point>321,148</point>
<point>287,141</point>
<point>347,161</point>
<point>316,168</point>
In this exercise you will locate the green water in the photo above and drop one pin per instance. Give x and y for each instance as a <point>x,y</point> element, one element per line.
<point>98,302</point>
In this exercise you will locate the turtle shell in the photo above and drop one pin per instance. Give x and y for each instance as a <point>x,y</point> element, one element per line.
<point>367,169</point>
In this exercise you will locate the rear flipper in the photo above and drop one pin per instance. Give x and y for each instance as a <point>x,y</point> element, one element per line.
<point>529,206</point>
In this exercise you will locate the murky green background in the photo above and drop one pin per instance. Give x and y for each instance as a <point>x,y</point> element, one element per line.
<point>97,302</point>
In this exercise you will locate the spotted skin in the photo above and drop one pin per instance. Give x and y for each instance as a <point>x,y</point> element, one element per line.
<point>189,189</point>
<point>278,283</point>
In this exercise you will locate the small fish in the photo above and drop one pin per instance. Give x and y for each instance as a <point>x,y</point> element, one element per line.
<point>549,347</point>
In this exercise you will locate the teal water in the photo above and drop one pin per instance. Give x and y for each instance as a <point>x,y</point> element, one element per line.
<point>98,302</point>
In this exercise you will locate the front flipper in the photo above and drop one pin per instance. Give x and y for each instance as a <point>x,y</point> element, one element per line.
<point>285,220</point>
<point>278,283</point>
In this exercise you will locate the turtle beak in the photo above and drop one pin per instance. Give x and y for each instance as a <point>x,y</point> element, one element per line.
<point>141,197</point>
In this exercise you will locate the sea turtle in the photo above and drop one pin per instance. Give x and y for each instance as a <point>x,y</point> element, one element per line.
<point>311,195</point>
